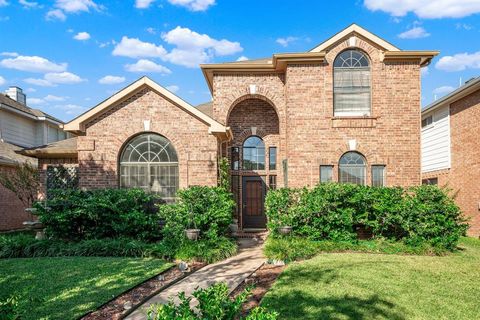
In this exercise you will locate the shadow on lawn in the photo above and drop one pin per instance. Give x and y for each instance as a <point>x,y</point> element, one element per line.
<point>304,306</point>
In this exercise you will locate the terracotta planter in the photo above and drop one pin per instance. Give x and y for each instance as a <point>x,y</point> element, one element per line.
<point>192,234</point>
<point>285,230</point>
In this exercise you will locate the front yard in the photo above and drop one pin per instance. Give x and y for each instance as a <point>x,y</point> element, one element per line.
<point>378,286</point>
<point>68,287</point>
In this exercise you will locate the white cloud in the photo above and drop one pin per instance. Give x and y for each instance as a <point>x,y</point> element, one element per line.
<point>74,6</point>
<point>173,88</point>
<point>9,54</point>
<point>443,90</point>
<point>82,36</point>
<point>465,26</point>
<point>35,101</point>
<point>135,48</point>
<point>63,78</point>
<point>53,98</point>
<point>193,5</point>
<point>53,78</point>
<point>424,71</point>
<point>56,14</point>
<point>426,8</point>
<point>143,4</point>
<point>284,42</point>
<point>29,4</point>
<point>32,64</point>
<point>71,109</point>
<point>242,58</point>
<point>3,3</point>
<point>414,33</point>
<point>151,30</point>
<point>193,48</point>
<point>111,80</point>
<point>459,62</point>
<point>31,90</point>
<point>144,65</point>
<point>2,81</point>
<point>39,82</point>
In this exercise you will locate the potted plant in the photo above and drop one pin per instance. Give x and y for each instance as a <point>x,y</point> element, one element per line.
<point>285,224</point>
<point>192,232</point>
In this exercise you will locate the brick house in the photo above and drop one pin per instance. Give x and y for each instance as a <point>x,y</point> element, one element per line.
<point>451,148</point>
<point>348,110</point>
<point>20,127</point>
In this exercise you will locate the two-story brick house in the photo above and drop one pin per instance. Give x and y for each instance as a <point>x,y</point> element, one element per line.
<point>348,110</point>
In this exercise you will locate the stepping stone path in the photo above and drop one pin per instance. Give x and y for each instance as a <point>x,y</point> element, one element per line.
<point>232,271</point>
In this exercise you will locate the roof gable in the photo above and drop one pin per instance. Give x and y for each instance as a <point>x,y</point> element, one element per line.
<point>77,125</point>
<point>353,30</point>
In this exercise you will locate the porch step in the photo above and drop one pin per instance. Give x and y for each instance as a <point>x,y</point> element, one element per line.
<point>259,234</point>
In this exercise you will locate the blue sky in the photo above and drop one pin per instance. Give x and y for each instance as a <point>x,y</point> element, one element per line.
<point>69,55</point>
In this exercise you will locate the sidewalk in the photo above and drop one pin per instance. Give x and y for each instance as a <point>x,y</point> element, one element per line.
<point>232,271</point>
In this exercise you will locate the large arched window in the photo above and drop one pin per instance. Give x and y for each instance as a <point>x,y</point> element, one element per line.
<point>351,88</point>
<point>352,168</point>
<point>149,161</point>
<point>253,154</point>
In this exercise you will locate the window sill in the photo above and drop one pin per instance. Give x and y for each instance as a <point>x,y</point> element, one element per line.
<point>354,122</point>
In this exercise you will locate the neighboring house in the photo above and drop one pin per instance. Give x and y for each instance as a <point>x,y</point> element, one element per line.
<point>451,147</point>
<point>20,127</point>
<point>347,111</point>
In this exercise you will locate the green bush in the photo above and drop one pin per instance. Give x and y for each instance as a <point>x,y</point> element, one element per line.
<point>208,209</point>
<point>333,212</point>
<point>297,248</point>
<point>97,214</point>
<point>207,250</point>
<point>214,303</point>
<point>26,246</point>
<point>9,309</point>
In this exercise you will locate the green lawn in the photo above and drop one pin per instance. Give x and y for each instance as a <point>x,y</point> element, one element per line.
<point>66,288</point>
<point>377,286</point>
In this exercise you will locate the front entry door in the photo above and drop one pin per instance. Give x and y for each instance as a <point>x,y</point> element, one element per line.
<point>253,194</point>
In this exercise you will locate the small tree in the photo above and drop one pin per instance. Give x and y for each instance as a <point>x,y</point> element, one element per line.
<point>23,181</point>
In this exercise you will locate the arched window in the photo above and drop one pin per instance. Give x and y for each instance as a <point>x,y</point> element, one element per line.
<point>149,161</point>
<point>351,88</point>
<point>352,168</point>
<point>253,154</point>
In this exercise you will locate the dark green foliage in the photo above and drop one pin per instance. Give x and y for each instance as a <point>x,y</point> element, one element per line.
<point>206,250</point>
<point>214,303</point>
<point>333,212</point>
<point>206,208</point>
<point>26,246</point>
<point>97,214</point>
<point>297,248</point>
<point>9,309</point>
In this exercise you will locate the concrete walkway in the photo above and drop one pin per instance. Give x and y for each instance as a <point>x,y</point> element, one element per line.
<point>233,271</point>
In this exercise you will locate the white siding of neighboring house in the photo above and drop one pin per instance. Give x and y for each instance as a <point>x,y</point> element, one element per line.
<point>436,141</point>
<point>17,130</point>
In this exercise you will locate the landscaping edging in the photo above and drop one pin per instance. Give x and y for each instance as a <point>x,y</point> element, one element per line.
<point>115,308</point>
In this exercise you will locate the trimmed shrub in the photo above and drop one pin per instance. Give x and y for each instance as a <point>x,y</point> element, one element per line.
<point>97,214</point>
<point>26,246</point>
<point>208,209</point>
<point>297,248</point>
<point>207,250</point>
<point>334,211</point>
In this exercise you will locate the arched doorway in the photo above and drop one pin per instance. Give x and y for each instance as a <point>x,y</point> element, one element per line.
<point>253,155</point>
<point>149,161</point>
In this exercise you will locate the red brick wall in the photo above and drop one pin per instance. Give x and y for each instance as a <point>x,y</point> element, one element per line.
<point>105,135</point>
<point>12,210</point>
<point>309,134</point>
<point>464,175</point>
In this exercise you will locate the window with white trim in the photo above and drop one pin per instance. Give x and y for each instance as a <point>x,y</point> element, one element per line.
<point>149,161</point>
<point>351,84</point>
<point>378,175</point>
<point>352,168</point>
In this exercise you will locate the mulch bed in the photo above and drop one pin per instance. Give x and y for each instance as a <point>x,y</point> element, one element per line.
<point>114,309</point>
<point>262,280</point>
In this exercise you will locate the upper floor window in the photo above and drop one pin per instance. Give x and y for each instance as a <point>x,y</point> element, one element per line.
<point>351,84</point>
<point>253,154</point>
<point>427,121</point>
<point>352,168</point>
